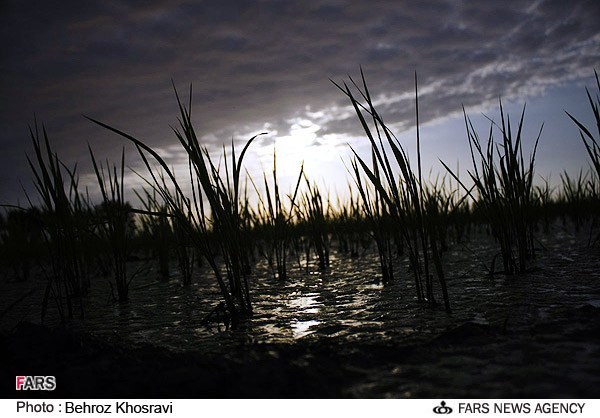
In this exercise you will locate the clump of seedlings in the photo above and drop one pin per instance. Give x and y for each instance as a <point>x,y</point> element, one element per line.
<point>274,221</point>
<point>503,189</point>
<point>156,232</point>
<point>21,240</point>
<point>65,225</point>
<point>221,190</point>
<point>592,147</point>
<point>401,198</point>
<point>315,216</point>
<point>115,225</point>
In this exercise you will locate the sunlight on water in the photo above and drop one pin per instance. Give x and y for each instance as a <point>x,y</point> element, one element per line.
<point>306,304</point>
<point>301,305</point>
<point>302,328</point>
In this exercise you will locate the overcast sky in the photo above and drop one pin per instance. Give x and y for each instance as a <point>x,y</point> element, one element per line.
<point>265,66</point>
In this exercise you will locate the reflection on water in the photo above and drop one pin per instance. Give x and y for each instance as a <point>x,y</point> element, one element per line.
<point>305,304</point>
<point>302,328</point>
<point>343,303</point>
<point>522,331</point>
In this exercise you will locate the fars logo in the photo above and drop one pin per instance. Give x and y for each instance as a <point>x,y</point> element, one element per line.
<point>36,383</point>
<point>442,409</point>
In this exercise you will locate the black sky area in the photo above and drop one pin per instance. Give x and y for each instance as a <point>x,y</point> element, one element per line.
<point>258,65</point>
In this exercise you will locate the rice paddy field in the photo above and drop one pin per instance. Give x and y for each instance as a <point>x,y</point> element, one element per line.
<point>220,285</point>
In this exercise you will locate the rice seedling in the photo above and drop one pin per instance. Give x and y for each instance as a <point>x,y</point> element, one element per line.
<point>246,230</point>
<point>505,193</point>
<point>221,191</point>
<point>402,198</point>
<point>185,252</point>
<point>314,215</point>
<point>65,222</point>
<point>579,199</point>
<point>348,226</point>
<point>575,196</point>
<point>591,143</point>
<point>592,147</point>
<point>544,199</point>
<point>114,225</point>
<point>275,218</point>
<point>445,210</point>
<point>172,232</point>
<point>156,230</point>
<point>380,222</point>
<point>21,240</point>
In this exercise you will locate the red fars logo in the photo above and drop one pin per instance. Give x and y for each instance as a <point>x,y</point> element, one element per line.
<point>36,383</point>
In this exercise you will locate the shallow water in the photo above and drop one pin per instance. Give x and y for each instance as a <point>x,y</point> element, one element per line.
<point>345,306</point>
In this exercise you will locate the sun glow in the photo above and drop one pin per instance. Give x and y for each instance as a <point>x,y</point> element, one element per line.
<point>305,143</point>
<point>299,144</point>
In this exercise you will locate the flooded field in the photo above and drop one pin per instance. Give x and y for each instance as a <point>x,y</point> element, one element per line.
<point>340,333</point>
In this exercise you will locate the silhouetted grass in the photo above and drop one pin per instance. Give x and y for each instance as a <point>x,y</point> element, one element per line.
<point>22,240</point>
<point>314,215</point>
<point>221,191</point>
<point>114,222</point>
<point>593,148</point>
<point>350,226</point>
<point>390,204</point>
<point>402,198</point>
<point>381,224</point>
<point>274,219</point>
<point>504,184</point>
<point>155,232</point>
<point>591,143</point>
<point>65,223</point>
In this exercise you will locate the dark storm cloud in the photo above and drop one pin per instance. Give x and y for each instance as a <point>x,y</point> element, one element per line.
<point>262,62</point>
